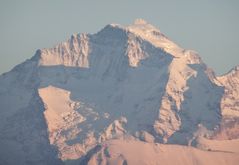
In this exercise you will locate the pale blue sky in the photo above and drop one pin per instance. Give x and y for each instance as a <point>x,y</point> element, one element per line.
<point>210,27</point>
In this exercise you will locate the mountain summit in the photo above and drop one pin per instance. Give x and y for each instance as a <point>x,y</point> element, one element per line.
<point>86,100</point>
<point>140,21</point>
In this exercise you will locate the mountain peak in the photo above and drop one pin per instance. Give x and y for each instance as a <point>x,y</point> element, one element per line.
<point>140,21</point>
<point>120,83</point>
<point>236,68</point>
<point>141,24</point>
<point>75,51</point>
<point>234,71</point>
<point>152,34</point>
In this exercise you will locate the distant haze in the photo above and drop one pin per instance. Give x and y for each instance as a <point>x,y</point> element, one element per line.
<point>208,27</point>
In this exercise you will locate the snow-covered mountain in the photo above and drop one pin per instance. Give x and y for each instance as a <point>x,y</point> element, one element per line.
<point>67,103</point>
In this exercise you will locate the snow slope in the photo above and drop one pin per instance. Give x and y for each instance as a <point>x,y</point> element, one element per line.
<point>130,152</point>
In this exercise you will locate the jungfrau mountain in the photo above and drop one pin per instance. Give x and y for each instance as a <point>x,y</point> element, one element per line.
<point>124,95</point>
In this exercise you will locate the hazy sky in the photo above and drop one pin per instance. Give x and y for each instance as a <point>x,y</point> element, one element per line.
<point>210,27</point>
